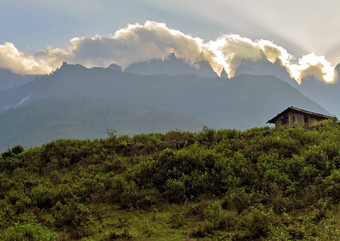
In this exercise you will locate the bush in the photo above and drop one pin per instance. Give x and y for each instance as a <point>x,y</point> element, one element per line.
<point>237,199</point>
<point>74,217</point>
<point>17,149</point>
<point>125,235</point>
<point>203,230</point>
<point>134,198</point>
<point>258,221</point>
<point>27,230</point>
<point>175,191</point>
<point>176,221</point>
<point>212,212</point>
<point>331,185</point>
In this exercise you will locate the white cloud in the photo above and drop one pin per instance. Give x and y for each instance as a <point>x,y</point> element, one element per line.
<point>128,45</point>
<point>233,49</point>
<point>314,65</point>
<point>18,62</point>
<point>155,40</point>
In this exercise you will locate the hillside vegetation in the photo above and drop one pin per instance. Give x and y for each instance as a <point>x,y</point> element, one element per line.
<point>260,184</point>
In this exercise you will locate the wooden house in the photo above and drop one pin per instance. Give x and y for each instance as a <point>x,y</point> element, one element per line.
<point>293,115</point>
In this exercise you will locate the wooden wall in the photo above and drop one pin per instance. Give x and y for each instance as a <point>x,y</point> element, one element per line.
<point>293,117</point>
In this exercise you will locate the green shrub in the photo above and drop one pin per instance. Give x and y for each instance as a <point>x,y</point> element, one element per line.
<point>258,221</point>
<point>176,220</point>
<point>331,185</point>
<point>203,230</point>
<point>74,217</point>
<point>212,212</point>
<point>17,149</point>
<point>27,230</point>
<point>175,191</point>
<point>237,199</point>
<point>135,198</point>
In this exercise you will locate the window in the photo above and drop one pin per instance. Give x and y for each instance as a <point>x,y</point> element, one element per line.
<point>293,118</point>
<point>306,118</point>
<point>283,121</point>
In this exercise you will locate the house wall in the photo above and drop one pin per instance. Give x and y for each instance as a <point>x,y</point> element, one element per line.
<point>297,118</point>
<point>293,117</point>
<point>314,120</point>
<point>278,121</point>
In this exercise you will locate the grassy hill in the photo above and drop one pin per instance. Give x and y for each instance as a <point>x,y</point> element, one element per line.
<point>260,184</point>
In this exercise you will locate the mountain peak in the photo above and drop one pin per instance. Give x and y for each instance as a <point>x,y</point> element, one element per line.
<point>172,56</point>
<point>115,67</point>
<point>224,74</point>
<point>171,66</point>
<point>66,66</point>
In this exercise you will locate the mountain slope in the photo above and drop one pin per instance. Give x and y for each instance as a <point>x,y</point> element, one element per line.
<point>326,94</point>
<point>168,102</point>
<point>83,118</point>
<point>264,67</point>
<point>9,80</point>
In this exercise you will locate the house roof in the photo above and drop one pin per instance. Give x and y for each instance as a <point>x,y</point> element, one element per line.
<point>294,109</point>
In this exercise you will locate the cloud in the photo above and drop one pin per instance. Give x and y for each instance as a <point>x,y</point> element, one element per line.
<point>233,49</point>
<point>151,40</point>
<point>312,65</point>
<point>129,45</point>
<point>18,62</point>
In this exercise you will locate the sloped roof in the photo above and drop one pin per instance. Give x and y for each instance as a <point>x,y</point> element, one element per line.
<point>294,109</point>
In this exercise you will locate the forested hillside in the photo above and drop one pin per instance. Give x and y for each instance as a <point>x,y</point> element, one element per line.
<point>259,184</point>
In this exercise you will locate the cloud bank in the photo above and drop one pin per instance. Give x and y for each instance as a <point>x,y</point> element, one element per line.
<point>18,62</point>
<point>155,40</point>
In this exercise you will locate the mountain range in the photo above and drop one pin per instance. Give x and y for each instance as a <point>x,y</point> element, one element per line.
<point>10,80</point>
<point>79,102</point>
<point>171,66</point>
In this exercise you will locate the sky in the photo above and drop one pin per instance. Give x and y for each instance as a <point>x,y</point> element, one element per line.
<point>44,32</point>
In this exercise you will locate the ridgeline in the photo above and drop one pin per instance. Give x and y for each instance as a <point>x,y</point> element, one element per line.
<point>259,184</point>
